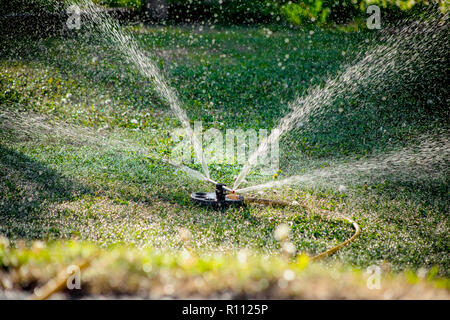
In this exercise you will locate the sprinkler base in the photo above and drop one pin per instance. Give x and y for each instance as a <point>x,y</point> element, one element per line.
<point>218,199</point>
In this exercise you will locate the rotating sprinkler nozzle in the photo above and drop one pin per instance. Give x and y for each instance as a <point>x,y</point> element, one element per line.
<point>218,199</point>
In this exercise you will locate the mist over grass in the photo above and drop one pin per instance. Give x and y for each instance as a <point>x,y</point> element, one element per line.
<point>77,122</point>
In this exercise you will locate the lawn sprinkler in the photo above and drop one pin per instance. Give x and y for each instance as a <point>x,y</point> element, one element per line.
<point>219,199</point>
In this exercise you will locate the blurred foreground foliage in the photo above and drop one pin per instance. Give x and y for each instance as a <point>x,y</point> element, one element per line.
<point>150,274</point>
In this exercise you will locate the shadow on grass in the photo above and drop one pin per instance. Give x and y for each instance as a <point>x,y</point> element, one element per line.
<point>26,188</point>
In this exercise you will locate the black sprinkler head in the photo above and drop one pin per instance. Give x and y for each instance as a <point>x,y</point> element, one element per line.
<point>218,199</point>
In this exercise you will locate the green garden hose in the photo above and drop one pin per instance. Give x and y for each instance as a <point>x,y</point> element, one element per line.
<point>323,254</point>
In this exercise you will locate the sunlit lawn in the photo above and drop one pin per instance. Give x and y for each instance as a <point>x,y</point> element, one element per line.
<point>77,124</point>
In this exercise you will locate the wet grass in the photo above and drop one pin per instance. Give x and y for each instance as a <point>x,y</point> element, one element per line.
<point>77,123</point>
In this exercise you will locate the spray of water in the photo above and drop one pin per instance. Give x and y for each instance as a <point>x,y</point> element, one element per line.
<point>39,127</point>
<point>401,53</point>
<point>129,49</point>
<point>427,160</point>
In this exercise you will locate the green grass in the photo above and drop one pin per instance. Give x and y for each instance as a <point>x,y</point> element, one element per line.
<point>81,171</point>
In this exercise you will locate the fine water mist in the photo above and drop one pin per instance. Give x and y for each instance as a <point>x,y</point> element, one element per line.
<point>402,56</point>
<point>41,128</point>
<point>129,49</point>
<point>425,160</point>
